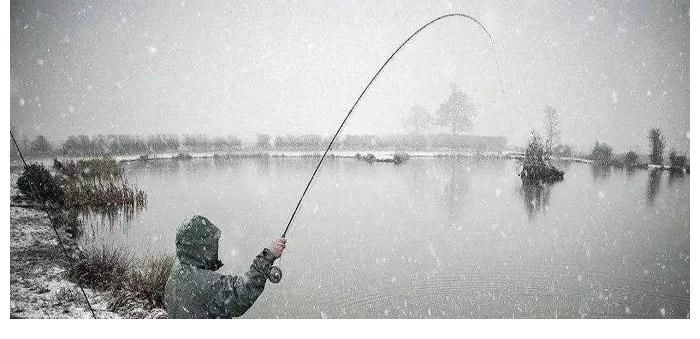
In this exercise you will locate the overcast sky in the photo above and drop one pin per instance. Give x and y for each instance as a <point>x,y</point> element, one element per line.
<point>613,69</point>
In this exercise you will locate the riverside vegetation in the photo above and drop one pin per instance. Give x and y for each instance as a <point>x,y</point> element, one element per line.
<point>96,185</point>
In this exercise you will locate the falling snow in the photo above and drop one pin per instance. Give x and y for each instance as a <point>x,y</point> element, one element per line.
<point>453,231</point>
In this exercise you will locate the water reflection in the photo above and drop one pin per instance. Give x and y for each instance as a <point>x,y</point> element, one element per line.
<point>536,197</point>
<point>111,219</point>
<point>653,185</point>
<point>263,165</point>
<point>676,181</point>
<point>426,209</point>
<point>631,171</point>
<point>675,175</point>
<point>600,172</point>
<point>456,191</point>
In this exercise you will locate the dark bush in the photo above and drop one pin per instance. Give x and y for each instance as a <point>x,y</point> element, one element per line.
<point>630,159</point>
<point>38,184</point>
<point>535,153</point>
<point>677,160</point>
<point>182,156</point>
<point>536,164</point>
<point>602,154</point>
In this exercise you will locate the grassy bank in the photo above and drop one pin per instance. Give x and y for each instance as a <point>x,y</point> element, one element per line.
<point>128,287</point>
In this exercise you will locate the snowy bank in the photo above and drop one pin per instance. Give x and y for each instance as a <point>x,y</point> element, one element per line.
<point>39,287</point>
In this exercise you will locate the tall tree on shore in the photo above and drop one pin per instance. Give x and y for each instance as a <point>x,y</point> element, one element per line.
<point>656,142</point>
<point>417,119</point>
<point>457,112</point>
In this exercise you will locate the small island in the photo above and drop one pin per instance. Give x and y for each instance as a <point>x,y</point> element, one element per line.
<point>537,166</point>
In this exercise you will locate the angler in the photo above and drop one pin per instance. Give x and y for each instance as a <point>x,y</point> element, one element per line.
<point>196,290</point>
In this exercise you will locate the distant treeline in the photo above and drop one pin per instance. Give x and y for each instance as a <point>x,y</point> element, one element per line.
<point>394,142</point>
<point>603,155</point>
<point>425,142</point>
<point>98,145</point>
<point>83,145</point>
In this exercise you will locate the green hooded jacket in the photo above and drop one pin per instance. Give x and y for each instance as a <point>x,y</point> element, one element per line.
<point>195,290</point>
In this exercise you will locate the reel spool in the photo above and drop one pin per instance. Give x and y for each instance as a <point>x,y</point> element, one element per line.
<point>275,274</point>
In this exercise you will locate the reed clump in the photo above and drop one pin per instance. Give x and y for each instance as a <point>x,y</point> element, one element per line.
<point>103,194</point>
<point>101,268</point>
<point>115,269</point>
<point>90,169</point>
<point>146,280</point>
<point>97,183</point>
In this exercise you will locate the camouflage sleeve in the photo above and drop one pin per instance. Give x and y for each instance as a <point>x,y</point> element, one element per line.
<point>235,294</point>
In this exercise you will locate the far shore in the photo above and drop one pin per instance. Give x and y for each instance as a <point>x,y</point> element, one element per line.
<point>262,153</point>
<point>348,154</point>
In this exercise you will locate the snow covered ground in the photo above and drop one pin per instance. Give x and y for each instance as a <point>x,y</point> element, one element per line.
<point>38,286</point>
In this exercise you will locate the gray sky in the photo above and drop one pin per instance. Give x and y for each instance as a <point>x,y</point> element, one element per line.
<point>613,69</point>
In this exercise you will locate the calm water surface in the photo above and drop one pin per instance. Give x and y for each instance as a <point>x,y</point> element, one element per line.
<point>445,238</point>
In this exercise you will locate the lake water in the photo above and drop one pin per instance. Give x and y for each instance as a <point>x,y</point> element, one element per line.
<point>432,238</point>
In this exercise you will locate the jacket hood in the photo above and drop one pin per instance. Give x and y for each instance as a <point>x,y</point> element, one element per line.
<point>197,243</point>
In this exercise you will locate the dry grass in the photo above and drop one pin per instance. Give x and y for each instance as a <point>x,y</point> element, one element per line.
<point>90,169</point>
<point>146,280</point>
<point>69,295</point>
<point>101,268</point>
<point>131,281</point>
<point>103,194</point>
<point>97,183</point>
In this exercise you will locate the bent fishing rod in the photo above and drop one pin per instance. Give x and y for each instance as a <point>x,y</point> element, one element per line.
<point>275,274</point>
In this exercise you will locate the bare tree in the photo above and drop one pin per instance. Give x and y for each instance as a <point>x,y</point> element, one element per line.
<point>551,129</point>
<point>417,119</point>
<point>457,112</point>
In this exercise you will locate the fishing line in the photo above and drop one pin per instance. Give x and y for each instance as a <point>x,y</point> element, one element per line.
<point>275,273</point>
<point>60,242</point>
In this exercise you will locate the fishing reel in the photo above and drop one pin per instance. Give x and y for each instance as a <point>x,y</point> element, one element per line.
<point>275,274</point>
